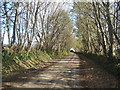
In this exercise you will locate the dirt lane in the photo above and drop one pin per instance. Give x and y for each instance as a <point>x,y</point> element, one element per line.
<point>71,72</point>
<point>64,74</point>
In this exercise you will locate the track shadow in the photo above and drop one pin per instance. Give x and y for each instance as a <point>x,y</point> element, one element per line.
<point>72,77</point>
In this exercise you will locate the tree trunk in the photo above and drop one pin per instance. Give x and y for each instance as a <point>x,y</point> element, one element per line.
<point>14,27</point>
<point>110,30</point>
<point>100,27</point>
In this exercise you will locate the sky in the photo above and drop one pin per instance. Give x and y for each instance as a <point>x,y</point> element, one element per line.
<point>68,6</point>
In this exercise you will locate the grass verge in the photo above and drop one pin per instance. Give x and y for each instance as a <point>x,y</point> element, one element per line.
<point>58,54</point>
<point>27,60</point>
<point>111,66</point>
<point>24,60</point>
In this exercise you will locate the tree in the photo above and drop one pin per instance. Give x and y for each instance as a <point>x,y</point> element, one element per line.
<point>96,26</point>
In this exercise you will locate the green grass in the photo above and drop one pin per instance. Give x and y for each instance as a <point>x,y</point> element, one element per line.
<point>58,54</point>
<point>112,66</point>
<point>23,61</point>
<point>26,60</point>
